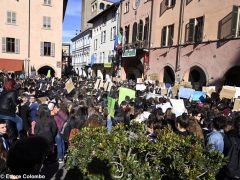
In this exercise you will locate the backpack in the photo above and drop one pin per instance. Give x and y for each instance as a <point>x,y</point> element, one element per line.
<point>233,167</point>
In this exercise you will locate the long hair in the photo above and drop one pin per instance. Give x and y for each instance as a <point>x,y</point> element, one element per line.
<point>43,114</point>
<point>9,84</point>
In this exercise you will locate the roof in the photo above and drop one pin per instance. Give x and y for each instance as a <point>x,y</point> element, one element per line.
<point>81,34</point>
<point>112,7</point>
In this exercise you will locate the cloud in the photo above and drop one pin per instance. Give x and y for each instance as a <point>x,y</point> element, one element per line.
<point>74,8</point>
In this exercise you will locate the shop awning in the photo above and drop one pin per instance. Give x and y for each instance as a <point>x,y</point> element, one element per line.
<point>14,65</point>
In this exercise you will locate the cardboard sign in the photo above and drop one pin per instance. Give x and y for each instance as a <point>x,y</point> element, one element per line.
<point>96,86</point>
<point>123,92</point>
<point>163,92</point>
<point>69,85</point>
<point>236,106</point>
<point>185,93</point>
<point>209,90</point>
<point>178,106</point>
<point>175,89</point>
<point>139,80</point>
<point>237,94</point>
<point>111,106</point>
<point>140,87</point>
<point>43,99</point>
<point>228,92</point>
<point>154,76</point>
<point>186,84</point>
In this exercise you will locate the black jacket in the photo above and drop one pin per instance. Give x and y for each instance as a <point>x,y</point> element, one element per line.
<point>8,102</point>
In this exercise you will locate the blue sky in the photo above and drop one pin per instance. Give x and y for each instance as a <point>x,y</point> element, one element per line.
<point>72,20</point>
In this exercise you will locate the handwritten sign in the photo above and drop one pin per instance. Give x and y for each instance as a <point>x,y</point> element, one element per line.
<point>228,92</point>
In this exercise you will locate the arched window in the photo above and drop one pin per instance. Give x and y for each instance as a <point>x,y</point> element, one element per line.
<point>134,33</point>
<point>140,30</point>
<point>102,6</point>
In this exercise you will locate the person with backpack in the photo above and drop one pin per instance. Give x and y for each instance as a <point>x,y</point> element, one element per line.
<point>232,151</point>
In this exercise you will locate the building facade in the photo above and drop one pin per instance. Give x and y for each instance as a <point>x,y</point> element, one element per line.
<point>31,40</point>
<point>135,25</point>
<point>104,34</point>
<point>81,49</point>
<point>196,41</point>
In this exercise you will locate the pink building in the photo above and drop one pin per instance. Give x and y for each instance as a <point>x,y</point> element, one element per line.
<point>196,41</point>
<point>135,25</point>
<point>31,35</point>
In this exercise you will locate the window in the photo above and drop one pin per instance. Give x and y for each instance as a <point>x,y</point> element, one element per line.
<point>113,33</point>
<point>127,7</point>
<point>103,56</point>
<point>195,30</point>
<point>146,28</point>
<point>46,22</point>
<point>114,16</point>
<point>134,33</point>
<point>92,8</point>
<point>11,17</point>
<point>140,30</point>
<point>10,45</point>
<point>102,6</point>
<point>95,44</point>
<point>47,2</point>
<point>187,2</point>
<point>104,21</point>
<point>167,35</point>
<point>127,34</point>
<point>166,4</point>
<point>229,26</point>
<point>47,49</point>
<point>103,36</point>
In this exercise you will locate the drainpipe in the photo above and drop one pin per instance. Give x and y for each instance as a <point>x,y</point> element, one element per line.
<point>179,41</point>
<point>150,32</point>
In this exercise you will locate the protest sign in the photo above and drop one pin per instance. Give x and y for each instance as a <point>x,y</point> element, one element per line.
<point>111,105</point>
<point>186,84</point>
<point>198,96</point>
<point>101,84</point>
<point>237,94</point>
<point>164,107</point>
<point>236,106</point>
<point>178,106</point>
<point>139,80</point>
<point>185,92</point>
<point>163,92</point>
<point>209,90</point>
<point>69,85</point>
<point>175,89</point>
<point>154,76</point>
<point>152,95</point>
<point>228,92</point>
<point>123,92</point>
<point>140,87</point>
<point>96,86</point>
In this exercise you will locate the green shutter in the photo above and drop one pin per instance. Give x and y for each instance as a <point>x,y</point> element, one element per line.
<point>191,31</point>
<point>17,46</point>
<point>164,34</point>
<point>53,49</point>
<point>4,45</point>
<point>42,49</point>
<point>234,20</point>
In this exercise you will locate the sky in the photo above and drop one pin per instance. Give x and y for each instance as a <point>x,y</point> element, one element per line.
<point>72,20</point>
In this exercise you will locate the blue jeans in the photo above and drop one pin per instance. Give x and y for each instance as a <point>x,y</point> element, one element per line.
<point>16,119</point>
<point>60,146</point>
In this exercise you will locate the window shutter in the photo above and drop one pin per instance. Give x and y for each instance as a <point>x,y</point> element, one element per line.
<point>49,22</point>
<point>234,21</point>
<point>13,17</point>
<point>44,21</point>
<point>3,45</point>
<point>164,33</point>
<point>17,46</point>
<point>42,49</point>
<point>9,17</point>
<point>173,2</point>
<point>53,49</point>
<point>166,3</point>
<point>163,6</point>
<point>170,35</point>
<point>191,30</point>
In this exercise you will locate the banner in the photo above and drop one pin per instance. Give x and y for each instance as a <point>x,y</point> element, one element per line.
<point>198,96</point>
<point>123,92</point>
<point>228,92</point>
<point>185,93</point>
<point>111,105</point>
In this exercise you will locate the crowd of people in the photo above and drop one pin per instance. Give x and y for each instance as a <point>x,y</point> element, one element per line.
<point>39,116</point>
